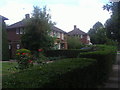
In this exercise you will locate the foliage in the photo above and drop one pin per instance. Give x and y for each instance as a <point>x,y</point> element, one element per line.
<point>98,25</point>
<point>41,59</point>
<point>98,34</point>
<point>72,53</point>
<point>74,40</point>
<point>23,57</point>
<point>67,73</point>
<point>111,42</point>
<point>113,24</point>
<point>105,57</point>
<point>5,49</point>
<point>37,29</point>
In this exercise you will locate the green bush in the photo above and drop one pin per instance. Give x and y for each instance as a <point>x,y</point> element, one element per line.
<point>23,57</point>
<point>66,73</point>
<point>105,56</point>
<point>73,53</point>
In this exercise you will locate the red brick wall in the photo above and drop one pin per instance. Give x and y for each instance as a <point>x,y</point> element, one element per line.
<point>13,39</point>
<point>84,40</point>
<point>12,36</point>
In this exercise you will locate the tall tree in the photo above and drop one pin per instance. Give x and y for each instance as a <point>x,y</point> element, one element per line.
<point>113,24</point>
<point>97,33</point>
<point>37,30</point>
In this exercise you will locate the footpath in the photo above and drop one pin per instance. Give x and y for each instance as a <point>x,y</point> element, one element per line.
<point>114,79</point>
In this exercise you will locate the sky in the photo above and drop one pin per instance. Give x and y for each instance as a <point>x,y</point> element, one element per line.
<point>66,13</point>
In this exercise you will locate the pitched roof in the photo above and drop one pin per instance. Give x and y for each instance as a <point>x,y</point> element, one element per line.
<point>4,18</point>
<point>54,28</point>
<point>17,25</point>
<point>22,24</point>
<point>76,31</point>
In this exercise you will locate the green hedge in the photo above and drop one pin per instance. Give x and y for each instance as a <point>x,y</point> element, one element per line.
<point>67,73</point>
<point>105,58</point>
<point>70,53</point>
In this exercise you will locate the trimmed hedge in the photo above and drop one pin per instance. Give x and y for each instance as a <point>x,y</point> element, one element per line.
<point>66,73</point>
<point>105,57</point>
<point>70,53</point>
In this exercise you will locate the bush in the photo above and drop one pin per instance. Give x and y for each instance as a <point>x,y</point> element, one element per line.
<point>77,43</point>
<point>66,73</point>
<point>105,56</point>
<point>73,53</point>
<point>23,57</point>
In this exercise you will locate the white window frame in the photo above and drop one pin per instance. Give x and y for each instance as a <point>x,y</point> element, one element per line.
<point>9,46</point>
<point>62,36</point>
<point>21,30</point>
<point>81,36</point>
<point>18,46</point>
<point>17,31</point>
<point>88,38</point>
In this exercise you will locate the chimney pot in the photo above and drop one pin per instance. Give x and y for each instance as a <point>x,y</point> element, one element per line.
<point>27,16</point>
<point>75,26</point>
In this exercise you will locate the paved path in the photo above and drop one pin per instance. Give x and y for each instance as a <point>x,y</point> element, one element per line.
<point>114,79</point>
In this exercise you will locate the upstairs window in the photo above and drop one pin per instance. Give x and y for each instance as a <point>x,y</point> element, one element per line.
<point>88,38</point>
<point>58,35</point>
<point>17,31</point>
<point>62,36</point>
<point>21,30</point>
<point>81,36</point>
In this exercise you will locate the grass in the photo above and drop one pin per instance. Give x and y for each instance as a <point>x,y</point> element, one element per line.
<point>8,68</point>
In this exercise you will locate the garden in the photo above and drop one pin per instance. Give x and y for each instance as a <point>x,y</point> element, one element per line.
<point>75,68</point>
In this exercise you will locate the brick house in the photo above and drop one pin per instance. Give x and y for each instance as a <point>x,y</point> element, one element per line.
<point>84,37</point>
<point>17,29</point>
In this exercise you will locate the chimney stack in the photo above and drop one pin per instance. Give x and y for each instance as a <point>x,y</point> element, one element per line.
<point>27,16</point>
<point>75,27</point>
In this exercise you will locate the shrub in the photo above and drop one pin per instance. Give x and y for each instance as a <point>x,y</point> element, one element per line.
<point>66,73</point>
<point>23,57</point>
<point>105,56</point>
<point>73,53</point>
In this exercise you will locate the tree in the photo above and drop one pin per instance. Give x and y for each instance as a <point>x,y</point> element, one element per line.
<point>98,25</point>
<point>37,30</point>
<point>74,42</point>
<point>98,34</point>
<point>113,24</point>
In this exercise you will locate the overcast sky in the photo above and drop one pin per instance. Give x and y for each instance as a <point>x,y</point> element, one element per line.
<point>66,13</point>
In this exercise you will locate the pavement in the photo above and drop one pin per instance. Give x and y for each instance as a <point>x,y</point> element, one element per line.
<point>114,79</point>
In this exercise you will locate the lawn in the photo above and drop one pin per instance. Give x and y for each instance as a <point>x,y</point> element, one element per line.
<point>8,68</point>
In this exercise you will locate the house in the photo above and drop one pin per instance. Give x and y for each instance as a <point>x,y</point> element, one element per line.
<point>84,37</point>
<point>17,29</point>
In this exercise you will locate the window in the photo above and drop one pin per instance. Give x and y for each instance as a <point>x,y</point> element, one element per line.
<point>17,31</point>
<point>81,36</point>
<point>21,30</point>
<point>62,36</point>
<point>88,38</point>
<point>51,34</point>
<point>54,34</point>
<point>9,46</point>
<point>18,46</point>
<point>58,35</point>
<point>112,33</point>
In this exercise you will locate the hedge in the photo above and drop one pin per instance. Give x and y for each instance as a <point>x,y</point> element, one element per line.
<point>105,58</point>
<point>67,73</point>
<point>70,53</point>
